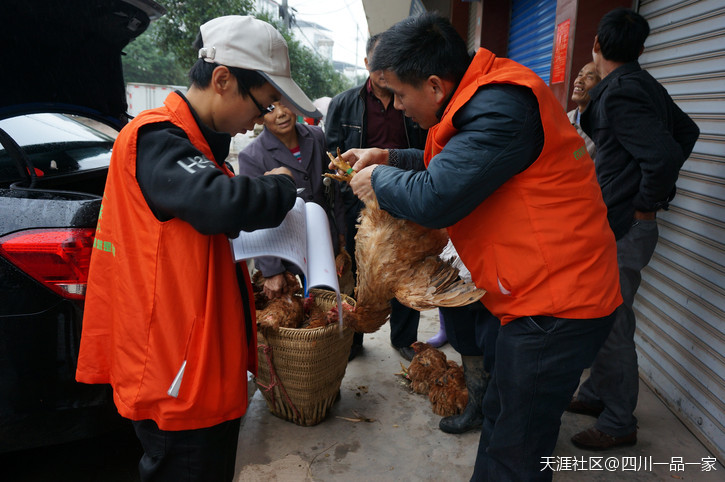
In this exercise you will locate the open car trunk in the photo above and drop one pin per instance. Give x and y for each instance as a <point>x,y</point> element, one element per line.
<point>69,51</point>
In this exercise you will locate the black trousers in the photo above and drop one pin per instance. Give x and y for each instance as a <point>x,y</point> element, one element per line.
<point>205,454</point>
<point>472,331</point>
<point>403,324</point>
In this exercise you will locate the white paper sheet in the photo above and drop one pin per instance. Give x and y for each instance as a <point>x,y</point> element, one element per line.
<point>303,238</point>
<point>288,240</point>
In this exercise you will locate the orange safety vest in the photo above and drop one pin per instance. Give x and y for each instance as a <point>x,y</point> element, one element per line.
<point>541,243</point>
<point>159,294</point>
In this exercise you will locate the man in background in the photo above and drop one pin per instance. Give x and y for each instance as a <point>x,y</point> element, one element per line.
<point>642,140</point>
<point>585,80</point>
<point>364,116</point>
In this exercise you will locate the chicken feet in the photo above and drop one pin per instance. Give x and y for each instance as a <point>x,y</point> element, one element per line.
<point>342,165</point>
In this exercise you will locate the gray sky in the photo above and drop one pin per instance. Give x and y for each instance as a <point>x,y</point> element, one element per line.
<point>344,18</point>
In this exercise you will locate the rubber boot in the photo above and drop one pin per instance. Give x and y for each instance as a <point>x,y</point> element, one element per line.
<point>476,379</point>
<point>440,338</point>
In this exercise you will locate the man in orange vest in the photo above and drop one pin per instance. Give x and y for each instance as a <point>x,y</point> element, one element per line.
<point>509,177</point>
<point>169,318</point>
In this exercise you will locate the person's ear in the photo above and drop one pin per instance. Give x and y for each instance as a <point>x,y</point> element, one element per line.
<point>597,48</point>
<point>221,79</point>
<point>439,89</point>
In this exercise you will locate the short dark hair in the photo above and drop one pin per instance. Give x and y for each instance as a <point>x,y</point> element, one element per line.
<point>370,46</point>
<point>417,47</point>
<point>621,34</point>
<point>201,72</point>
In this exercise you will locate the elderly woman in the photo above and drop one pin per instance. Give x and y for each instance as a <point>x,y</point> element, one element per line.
<point>302,149</point>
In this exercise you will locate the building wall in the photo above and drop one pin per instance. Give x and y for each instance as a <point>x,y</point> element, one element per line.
<point>583,15</point>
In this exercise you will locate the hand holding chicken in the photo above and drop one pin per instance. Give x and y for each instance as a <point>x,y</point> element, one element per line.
<point>397,258</point>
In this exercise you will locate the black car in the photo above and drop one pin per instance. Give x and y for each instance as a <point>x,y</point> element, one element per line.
<point>62,102</point>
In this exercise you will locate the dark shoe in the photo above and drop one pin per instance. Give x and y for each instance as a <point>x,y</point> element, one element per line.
<point>476,379</point>
<point>577,406</point>
<point>470,419</point>
<point>406,352</point>
<point>593,439</point>
<point>355,350</point>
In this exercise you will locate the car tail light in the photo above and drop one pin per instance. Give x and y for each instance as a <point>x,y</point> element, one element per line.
<point>57,258</point>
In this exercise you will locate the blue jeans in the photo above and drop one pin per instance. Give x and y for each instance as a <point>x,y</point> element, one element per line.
<point>614,377</point>
<point>538,364</point>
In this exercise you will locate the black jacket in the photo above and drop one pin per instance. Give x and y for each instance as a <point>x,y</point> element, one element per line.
<point>346,124</point>
<point>178,181</point>
<point>642,140</point>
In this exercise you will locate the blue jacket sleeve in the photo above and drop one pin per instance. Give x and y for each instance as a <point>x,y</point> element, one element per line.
<point>408,159</point>
<point>500,134</point>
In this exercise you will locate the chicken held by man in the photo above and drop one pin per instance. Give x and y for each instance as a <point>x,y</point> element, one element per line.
<point>397,258</point>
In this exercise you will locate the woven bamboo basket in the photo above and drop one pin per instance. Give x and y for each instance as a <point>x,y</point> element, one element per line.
<point>300,370</point>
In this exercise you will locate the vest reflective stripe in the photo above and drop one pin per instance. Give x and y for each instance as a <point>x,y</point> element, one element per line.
<point>167,295</point>
<point>541,243</point>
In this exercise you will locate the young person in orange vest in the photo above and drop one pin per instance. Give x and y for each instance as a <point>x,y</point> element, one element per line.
<point>502,171</point>
<point>169,317</point>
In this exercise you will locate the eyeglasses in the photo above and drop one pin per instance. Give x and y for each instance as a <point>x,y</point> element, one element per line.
<point>262,110</point>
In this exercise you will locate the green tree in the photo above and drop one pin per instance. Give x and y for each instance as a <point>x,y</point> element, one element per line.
<point>179,27</point>
<point>146,62</point>
<point>316,76</point>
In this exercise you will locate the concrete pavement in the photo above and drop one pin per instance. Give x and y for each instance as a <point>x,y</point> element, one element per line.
<point>400,440</point>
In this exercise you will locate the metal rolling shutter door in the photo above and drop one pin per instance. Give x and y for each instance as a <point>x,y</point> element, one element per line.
<point>680,306</point>
<point>531,37</point>
<point>472,23</point>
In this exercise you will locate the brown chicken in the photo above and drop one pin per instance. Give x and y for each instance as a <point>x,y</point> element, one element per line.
<point>292,286</point>
<point>286,311</point>
<point>427,365</point>
<point>397,258</point>
<point>448,393</point>
<point>315,316</point>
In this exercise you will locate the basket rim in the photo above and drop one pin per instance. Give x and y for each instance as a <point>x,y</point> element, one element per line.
<point>332,294</point>
<point>322,330</point>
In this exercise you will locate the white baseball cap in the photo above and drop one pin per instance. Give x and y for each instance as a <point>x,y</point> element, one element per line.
<point>248,43</point>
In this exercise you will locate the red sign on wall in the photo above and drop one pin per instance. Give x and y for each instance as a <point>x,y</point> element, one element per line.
<point>561,45</point>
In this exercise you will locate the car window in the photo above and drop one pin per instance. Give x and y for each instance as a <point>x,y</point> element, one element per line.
<point>56,144</point>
